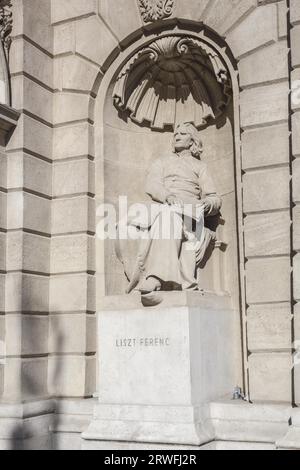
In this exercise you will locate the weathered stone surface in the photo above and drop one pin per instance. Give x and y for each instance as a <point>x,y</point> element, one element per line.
<point>3,210</point>
<point>32,20</point>
<point>295,96</point>
<point>64,38</point>
<point>296,227</point>
<point>242,40</point>
<point>26,335</point>
<point>265,104</point>
<point>74,73</point>
<point>73,215</point>
<point>297,354</point>
<point>2,297</point>
<point>296,133</point>
<point>33,136</point>
<point>28,251</point>
<point>267,234</point>
<point>89,31</point>
<point>29,96</point>
<point>265,146</point>
<point>3,166</point>
<point>296,276</point>
<point>75,177</point>
<point>296,180</point>
<point>62,11</point>
<point>36,253</point>
<point>15,210</point>
<point>73,141</point>
<point>72,253</point>
<point>69,107</point>
<point>34,174</point>
<point>191,9</point>
<point>71,376</point>
<point>269,327</point>
<point>36,213</point>
<point>270,377</point>
<point>26,379</point>
<point>28,293</point>
<point>244,421</point>
<point>282,19</point>
<point>72,293</point>
<point>297,385</point>
<point>74,341</point>
<point>295,11</point>
<point>262,280</point>
<point>267,64</point>
<point>26,57</point>
<point>37,26</point>
<point>2,251</point>
<point>297,323</point>
<point>266,190</point>
<point>295,38</point>
<point>115,16</point>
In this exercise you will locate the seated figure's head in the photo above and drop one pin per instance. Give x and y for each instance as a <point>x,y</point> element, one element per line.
<point>187,137</point>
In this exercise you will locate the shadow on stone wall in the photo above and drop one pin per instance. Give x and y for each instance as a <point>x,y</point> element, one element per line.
<point>34,431</point>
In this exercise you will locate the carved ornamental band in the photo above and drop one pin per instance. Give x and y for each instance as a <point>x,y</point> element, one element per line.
<point>153,10</point>
<point>5,25</point>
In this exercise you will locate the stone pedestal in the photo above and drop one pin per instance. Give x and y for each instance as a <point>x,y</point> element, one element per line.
<point>159,367</point>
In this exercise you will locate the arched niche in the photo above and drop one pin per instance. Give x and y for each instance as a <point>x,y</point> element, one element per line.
<point>128,139</point>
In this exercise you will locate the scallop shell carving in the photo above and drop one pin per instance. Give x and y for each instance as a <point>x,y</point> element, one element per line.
<point>173,79</point>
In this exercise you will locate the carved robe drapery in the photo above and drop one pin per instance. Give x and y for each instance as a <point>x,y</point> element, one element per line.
<point>173,260</point>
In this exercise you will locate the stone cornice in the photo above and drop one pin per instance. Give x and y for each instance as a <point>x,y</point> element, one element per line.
<point>8,118</point>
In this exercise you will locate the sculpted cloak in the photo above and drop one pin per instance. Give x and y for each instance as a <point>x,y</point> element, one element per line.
<point>173,259</point>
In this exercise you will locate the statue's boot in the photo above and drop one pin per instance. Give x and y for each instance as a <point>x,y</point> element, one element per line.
<point>152,284</point>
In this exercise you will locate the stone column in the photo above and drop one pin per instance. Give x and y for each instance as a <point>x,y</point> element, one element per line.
<point>27,227</point>
<point>264,80</point>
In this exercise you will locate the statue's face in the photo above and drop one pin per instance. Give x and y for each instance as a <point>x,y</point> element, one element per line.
<point>182,139</point>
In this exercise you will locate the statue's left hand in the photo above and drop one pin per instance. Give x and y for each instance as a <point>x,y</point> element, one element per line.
<point>207,205</point>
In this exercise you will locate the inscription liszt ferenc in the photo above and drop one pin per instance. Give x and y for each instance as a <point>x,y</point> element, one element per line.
<point>154,342</point>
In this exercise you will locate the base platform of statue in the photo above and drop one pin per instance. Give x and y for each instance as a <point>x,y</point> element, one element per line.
<point>159,367</point>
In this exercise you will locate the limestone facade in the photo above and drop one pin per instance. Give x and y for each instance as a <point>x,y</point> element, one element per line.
<point>62,143</point>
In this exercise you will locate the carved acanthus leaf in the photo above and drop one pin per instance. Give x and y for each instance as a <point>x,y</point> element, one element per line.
<point>173,79</point>
<point>6,22</point>
<point>153,10</point>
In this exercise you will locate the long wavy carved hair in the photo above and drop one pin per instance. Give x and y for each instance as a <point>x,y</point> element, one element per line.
<point>197,147</point>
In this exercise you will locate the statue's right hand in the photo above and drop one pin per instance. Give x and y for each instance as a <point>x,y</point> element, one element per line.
<point>174,201</point>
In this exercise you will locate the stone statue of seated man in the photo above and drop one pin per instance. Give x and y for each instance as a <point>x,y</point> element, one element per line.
<point>173,239</point>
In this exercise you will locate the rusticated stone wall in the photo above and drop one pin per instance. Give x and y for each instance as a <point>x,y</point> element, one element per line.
<point>60,52</point>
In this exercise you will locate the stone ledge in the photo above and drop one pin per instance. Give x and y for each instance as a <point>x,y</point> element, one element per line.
<point>167,299</point>
<point>8,118</point>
